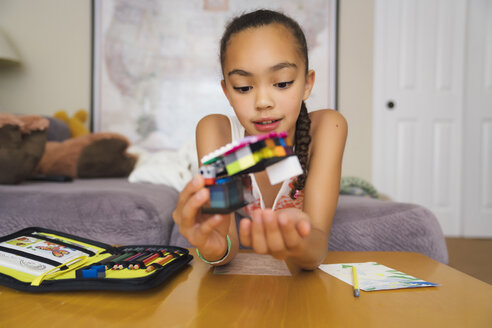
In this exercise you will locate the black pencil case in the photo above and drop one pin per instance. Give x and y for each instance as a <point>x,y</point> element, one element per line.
<point>41,260</point>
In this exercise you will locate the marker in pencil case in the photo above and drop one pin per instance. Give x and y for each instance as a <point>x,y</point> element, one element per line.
<point>225,170</point>
<point>108,259</point>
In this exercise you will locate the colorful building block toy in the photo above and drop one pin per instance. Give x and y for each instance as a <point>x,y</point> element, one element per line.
<point>226,169</point>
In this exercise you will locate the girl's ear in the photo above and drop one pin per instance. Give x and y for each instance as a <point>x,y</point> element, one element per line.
<point>224,89</point>
<point>308,87</point>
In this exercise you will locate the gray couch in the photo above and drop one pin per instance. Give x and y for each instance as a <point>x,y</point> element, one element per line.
<point>118,212</point>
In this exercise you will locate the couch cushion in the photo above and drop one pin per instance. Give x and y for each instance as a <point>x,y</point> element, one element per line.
<point>113,211</point>
<point>366,224</point>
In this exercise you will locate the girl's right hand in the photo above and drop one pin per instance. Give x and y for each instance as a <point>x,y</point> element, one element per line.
<point>205,232</point>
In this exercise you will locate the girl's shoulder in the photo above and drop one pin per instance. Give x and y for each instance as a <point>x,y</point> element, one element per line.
<point>328,137</point>
<point>327,119</point>
<point>212,132</point>
<point>214,120</point>
<point>214,124</point>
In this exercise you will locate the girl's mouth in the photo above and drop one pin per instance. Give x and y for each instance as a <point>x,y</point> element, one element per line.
<point>267,125</point>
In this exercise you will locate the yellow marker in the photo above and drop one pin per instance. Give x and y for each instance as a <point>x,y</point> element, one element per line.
<point>356,282</point>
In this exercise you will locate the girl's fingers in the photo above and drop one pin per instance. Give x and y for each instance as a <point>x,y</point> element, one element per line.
<point>191,187</point>
<point>258,234</point>
<point>274,238</point>
<point>206,227</point>
<point>292,237</point>
<point>303,228</point>
<point>192,207</point>
<point>245,232</point>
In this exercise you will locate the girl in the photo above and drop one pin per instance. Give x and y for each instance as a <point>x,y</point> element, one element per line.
<point>266,79</point>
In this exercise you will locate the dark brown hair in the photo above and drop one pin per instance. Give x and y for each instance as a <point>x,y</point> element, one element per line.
<point>262,17</point>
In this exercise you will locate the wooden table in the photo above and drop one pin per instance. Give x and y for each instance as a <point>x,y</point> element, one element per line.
<point>198,298</point>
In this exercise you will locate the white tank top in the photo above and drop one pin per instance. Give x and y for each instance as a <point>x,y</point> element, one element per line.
<point>282,200</point>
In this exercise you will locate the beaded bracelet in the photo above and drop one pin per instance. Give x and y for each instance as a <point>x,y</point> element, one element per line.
<point>218,261</point>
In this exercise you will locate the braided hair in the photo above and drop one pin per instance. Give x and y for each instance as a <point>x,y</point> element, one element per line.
<point>302,140</point>
<point>263,17</point>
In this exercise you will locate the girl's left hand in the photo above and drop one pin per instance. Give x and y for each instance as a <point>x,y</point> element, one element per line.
<point>277,233</point>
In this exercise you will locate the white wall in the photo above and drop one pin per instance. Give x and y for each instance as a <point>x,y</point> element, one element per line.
<point>355,83</point>
<point>53,39</point>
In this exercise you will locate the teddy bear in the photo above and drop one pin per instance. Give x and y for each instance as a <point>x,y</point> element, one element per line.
<point>75,123</point>
<point>25,152</point>
<point>22,143</point>
<point>95,155</point>
<point>85,154</point>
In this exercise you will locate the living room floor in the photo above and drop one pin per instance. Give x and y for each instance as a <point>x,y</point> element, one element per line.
<point>471,256</point>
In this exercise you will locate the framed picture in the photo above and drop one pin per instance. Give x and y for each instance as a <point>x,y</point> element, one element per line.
<point>157,70</point>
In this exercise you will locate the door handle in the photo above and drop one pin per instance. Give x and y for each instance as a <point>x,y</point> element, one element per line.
<point>390,104</point>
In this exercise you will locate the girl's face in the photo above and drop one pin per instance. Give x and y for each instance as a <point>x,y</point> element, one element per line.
<point>265,80</point>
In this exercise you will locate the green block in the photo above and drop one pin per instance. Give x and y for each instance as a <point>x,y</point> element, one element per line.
<point>233,168</point>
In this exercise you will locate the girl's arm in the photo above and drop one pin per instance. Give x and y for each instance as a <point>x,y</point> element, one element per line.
<point>213,132</point>
<point>329,133</point>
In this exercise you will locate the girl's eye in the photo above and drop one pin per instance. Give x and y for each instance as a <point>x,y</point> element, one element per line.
<point>242,89</point>
<point>283,85</point>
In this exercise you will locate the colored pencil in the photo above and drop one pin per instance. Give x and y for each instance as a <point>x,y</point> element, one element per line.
<point>119,262</point>
<point>162,261</point>
<point>137,259</point>
<point>147,260</point>
<point>143,261</point>
<point>134,257</point>
<point>124,263</point>
<point>150,258</point>
<point>114,263</point>
<point>356,282</point>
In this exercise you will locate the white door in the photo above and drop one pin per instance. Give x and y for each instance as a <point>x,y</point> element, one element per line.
<point>478,122</point>
<point>418,104</point>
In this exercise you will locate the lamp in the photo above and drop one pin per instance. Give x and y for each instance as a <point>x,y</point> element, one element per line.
<point>8,56</point>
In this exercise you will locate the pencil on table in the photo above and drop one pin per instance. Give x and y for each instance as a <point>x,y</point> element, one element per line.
<point>356,282</point>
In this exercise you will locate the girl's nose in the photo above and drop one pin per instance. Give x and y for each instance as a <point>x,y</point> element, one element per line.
<point>263,99</point>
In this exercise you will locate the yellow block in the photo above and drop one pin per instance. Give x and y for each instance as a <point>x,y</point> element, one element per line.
<point>266,153</point>
<point>246,162</point>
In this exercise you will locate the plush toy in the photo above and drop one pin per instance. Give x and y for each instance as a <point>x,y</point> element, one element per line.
<point>96,155</point>
<point>75,123</point>
<point>22,142</point>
